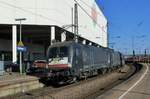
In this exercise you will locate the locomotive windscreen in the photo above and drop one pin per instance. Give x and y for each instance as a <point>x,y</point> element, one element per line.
<point>58,52</point>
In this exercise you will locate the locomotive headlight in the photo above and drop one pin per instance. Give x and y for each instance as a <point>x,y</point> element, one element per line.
<point>49,60</point>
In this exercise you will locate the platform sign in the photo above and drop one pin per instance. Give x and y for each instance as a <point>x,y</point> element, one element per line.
<point>21,47</point>
<point>20,43</point>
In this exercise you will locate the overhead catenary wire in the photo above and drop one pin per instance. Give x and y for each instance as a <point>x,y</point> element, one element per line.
<point>47,9</point>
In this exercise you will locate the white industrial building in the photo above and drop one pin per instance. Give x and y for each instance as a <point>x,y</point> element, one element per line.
<point>44,18</point>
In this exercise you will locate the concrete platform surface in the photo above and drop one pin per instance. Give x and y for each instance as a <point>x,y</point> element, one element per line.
<point>14,77</point>
<point>15,83</point>
<point>137,87</point>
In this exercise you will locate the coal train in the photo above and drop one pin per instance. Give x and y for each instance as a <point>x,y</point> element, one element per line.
<point>72,61</point>
<point>69,61</point>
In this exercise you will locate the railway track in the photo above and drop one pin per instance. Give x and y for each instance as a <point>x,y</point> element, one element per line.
<point>79,88</point>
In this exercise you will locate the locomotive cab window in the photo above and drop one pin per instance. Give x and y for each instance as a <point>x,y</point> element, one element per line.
<point>58,52</point>
<point>63,52</point>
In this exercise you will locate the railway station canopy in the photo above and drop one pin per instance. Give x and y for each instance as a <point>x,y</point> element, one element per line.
<point>36,38</point>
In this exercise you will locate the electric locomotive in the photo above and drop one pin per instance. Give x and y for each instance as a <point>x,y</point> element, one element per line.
<point>69,61</point>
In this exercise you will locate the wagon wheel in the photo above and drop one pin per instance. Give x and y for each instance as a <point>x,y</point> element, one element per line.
<point>103,71</point>
<point>74,79</point>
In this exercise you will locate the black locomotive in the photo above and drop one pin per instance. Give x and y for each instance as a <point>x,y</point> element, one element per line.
<point>69,61</point>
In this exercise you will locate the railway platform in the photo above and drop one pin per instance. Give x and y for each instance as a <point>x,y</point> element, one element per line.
<point>15,83</point>
<point>137,87</point>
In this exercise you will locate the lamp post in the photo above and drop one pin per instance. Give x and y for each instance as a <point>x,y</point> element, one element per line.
<point>133,38</point>
<point>20,40</point>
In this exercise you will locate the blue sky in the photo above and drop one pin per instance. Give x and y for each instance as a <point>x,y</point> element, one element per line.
<point>129,19</point>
